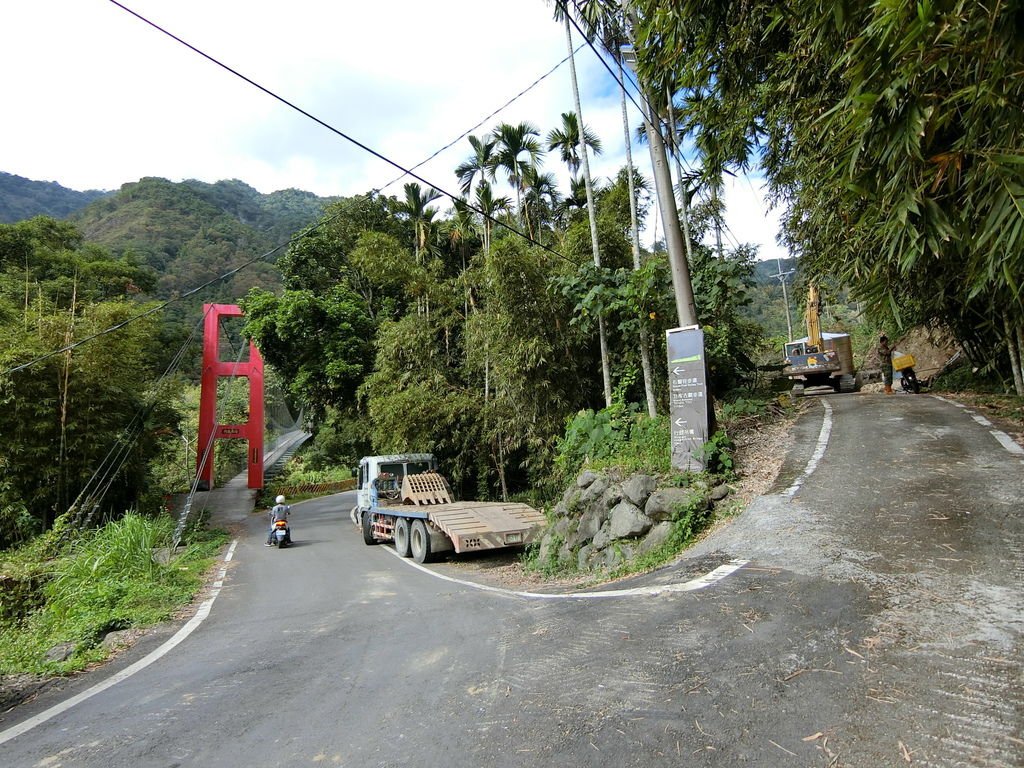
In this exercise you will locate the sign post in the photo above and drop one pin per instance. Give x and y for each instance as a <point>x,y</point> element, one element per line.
<point>688,396</point>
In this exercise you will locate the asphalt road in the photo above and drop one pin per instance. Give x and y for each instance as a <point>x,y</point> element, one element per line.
<point>878,623</point>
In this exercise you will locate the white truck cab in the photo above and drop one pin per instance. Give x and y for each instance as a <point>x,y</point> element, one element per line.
<point>380,477</point>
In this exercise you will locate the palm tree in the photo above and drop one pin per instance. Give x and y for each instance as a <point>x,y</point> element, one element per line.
<point>645,351</point>
<point>567,141</point>
<point>577,197</point>
<point>481,162</point>
<point>416,207</point>
<point>489,206</point>
<point>513,141</point>
<point>541,194</point>
<point>605,19</point>
<point>606,373</point>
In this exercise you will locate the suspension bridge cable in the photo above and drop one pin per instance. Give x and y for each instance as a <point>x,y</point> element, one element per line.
<point>118,454</point>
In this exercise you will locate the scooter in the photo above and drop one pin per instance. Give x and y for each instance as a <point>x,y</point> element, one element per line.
<point>282,535</point>
<point>909,382</point>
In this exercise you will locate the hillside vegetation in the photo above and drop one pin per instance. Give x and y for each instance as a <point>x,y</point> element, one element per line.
<point>22,198</point>
<point>520,335</point>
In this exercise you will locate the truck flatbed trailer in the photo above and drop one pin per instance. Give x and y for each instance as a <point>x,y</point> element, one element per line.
<point>419,517</point>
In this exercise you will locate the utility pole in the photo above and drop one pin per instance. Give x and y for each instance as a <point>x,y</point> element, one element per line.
<point>686,309</point>
<point>781,276</point>
<point>691,411</point>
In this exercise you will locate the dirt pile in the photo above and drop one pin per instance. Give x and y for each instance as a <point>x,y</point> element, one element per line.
<point>932,348</point>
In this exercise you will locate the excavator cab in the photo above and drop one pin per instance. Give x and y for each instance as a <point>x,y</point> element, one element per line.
<point>819,359</point>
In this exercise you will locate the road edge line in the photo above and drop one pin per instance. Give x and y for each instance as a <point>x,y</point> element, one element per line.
<point>190,626</point>
<point>1001,437</point>
<point>819,451</point>
<point>712,577</point>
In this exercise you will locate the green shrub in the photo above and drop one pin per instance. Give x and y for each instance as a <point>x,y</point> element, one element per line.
<point>716,454</point>
<point>104,580</point>
<point>687,522</point>
<point>615,436</point>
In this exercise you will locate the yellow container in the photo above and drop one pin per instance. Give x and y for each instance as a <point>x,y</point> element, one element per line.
<point>903,361</point>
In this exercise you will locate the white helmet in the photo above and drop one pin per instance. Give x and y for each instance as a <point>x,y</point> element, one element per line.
<point>280,500</point>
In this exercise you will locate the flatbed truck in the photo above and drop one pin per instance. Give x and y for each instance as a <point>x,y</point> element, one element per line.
<point>401,498</point>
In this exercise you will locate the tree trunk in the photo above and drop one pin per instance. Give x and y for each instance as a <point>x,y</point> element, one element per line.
<point>645,353</point>
<point>64,390</point>
<point>1015,350</point>
<point>606,373</point>
<point>501,470</point>
<point>1020,349</point>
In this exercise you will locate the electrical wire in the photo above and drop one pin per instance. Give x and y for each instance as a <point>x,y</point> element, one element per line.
<point>674,148</point>
<point>118,326</point>
<point>324,222</point>
<point>148,312</point>
<point>493,114</point>
<point>340,133</point>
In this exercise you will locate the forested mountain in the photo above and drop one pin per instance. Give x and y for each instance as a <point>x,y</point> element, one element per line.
<point>187,232</point>
<point>191,232</point>
<point>22,198</point>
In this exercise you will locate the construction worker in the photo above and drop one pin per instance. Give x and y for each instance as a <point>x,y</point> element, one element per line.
<point>885,360</point>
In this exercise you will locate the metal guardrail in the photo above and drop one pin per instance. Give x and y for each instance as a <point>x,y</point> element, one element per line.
<point>316,488</point>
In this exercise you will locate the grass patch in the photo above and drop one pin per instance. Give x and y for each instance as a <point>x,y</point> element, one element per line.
<point>1009,408</point>
<point>104,580</point>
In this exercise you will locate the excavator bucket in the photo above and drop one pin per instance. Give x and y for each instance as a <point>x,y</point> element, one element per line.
<point>425,489</point>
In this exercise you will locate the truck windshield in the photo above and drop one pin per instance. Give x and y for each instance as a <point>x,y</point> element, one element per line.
<point>417,467</point>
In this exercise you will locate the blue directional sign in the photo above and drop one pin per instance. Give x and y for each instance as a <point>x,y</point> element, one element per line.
<point>688,396</point>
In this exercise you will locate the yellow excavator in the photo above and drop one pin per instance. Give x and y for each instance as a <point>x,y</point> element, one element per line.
<point>819,359</point>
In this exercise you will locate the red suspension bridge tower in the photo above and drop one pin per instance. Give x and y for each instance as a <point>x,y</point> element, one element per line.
<point>213,370</point>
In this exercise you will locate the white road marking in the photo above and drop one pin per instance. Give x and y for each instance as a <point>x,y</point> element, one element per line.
<point>1001,437</point>
<point>701,582</point>
<point>819,451</point>
<point>190,627</point>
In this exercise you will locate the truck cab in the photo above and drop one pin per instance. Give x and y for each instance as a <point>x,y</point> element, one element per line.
<point>380,477</point>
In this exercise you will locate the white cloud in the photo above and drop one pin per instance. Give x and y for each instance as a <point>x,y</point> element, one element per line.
<point>99,98</point>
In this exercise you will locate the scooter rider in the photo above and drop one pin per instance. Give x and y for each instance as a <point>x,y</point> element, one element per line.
<point>279,511</point>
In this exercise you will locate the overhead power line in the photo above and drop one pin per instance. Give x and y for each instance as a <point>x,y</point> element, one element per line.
<point>164,304</point>
<point>496,112</point>
<point>319,224</point>
<point>338,132</point>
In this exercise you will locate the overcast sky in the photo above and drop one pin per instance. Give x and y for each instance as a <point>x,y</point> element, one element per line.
<point>95,98</point>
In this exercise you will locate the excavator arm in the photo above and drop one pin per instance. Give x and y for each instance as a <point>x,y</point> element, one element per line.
<point>812,318</point>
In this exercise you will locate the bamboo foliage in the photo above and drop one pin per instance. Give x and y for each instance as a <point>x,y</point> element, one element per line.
<point>892,134</point>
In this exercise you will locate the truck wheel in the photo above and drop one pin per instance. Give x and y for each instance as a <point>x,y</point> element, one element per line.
<point>402,537</point>
<point>367,526</point>
<point>419,542</point>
